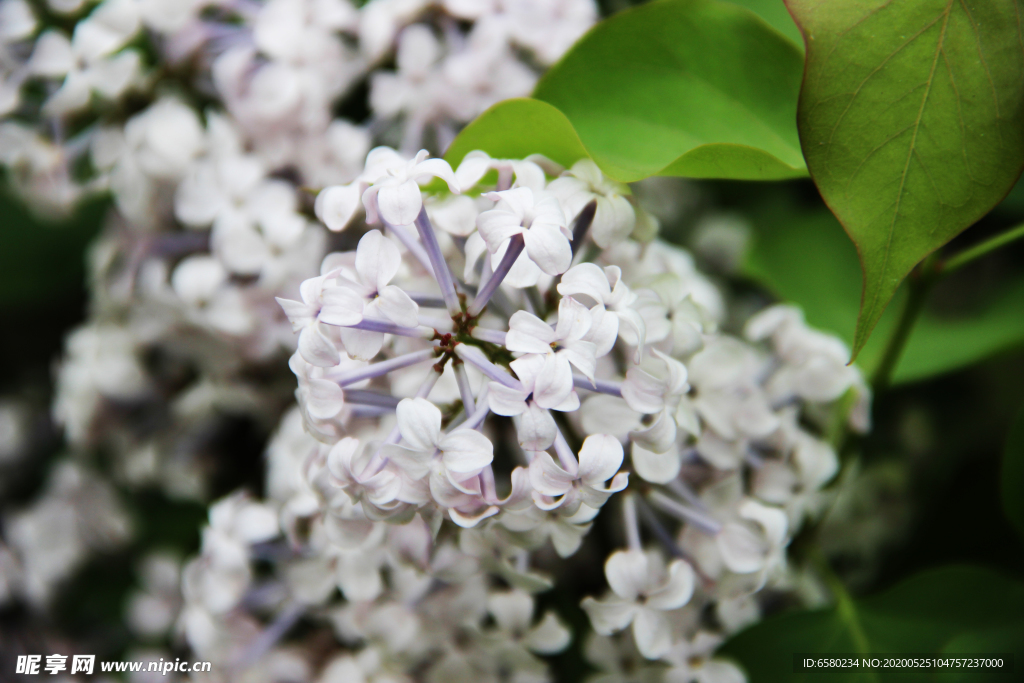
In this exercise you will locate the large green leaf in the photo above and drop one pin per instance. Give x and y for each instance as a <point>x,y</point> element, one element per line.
<point>911,118</point>
<point>1012,479</point>
<point>803,256</point>
<point>777,16</point>
<point>937,611</point>
<point>698,88</point>
<point>517,128</point>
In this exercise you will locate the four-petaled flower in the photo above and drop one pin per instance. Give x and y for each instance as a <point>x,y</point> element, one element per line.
<point>599,461</point>
<point>644,590</point>
<point>536,216</point>
<point>451,460</point>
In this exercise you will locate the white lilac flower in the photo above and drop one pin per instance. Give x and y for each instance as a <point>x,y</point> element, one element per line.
<point>615,217</point>
<point>452,461</point>
<point>583,483</point>
<point>93,60</point>
<point>613,312</point>
<point>644,588</point>
<point>388,188</point>
<point>538,218</point>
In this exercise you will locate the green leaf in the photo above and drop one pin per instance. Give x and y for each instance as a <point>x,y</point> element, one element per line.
<point>777,16</point>
<point>941,343</point>
<point>1012,478</point>
<point>802,256</point>
<point>911,118</point>
<point>694,88</point>
<point>698,88</point>
<point>932,612</point>
<point>517,128</point>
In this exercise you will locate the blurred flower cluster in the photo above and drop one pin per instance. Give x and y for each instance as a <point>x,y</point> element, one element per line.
<point>486,356</point>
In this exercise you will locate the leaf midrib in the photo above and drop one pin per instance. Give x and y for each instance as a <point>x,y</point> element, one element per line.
<point>912,149</point>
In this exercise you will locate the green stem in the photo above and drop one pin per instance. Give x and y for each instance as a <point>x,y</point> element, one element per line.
<point>920,285</point>
<point>977,251</point>
<point>845,607</point>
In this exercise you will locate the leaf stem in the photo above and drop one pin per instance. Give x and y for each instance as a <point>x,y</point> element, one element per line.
<point>920,285</point>
<point>966,256</point>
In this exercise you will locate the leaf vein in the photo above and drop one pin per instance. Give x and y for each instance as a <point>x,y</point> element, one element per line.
<point>874,71</point>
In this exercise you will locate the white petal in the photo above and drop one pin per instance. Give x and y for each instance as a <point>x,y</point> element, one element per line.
<point>570,405</point>
<point>199,197</point>
<point>657,468</point>
<point>358,580</point>
<point>582,354</point>
<point>415,462</point>
<point>52,55</point>
<point>316,348</point>
<point>602,413</point>
<point>377,260</point>
<point>337,205</point>
<point>660,436</point>
<point>613,222</point>
<point>340,457</point>
<point>400,203</point>
<point>772,520</point>
<point>536,428</point>
<point>574,320</point>
<point>504,400</point>
<point>596,497</point>
<point>528,368</point>
<point>554,384</point>
<point>600,458</point>
<point>603,331</point>
<point>548,637</point>
<point>643,392</point>
<point>653,633</point>
<point>398,307</point>
<point>197,278</point>
<point>472,169</point>
<point>239,245</point>
<point>675,380</point>
<point>497,225</point>
<point>720,671</point>
<point>548,248</point>
<point>324,399</point>
<point>256,523</point>
<point>567,537</point>
<point>686,417</point>
<point>342,306</point>
<point>528,334</point>
<point>438,168</point>
<point>609,616</point>
<point>547,477</point>
<point>518,200</point>
<point>470,520</point>
<point>361,344</point>
<point>677,591</point>
<point>455,215</point>
<point>524,272</point>
<point>742,550</point>
<point>512,610</point>
<point>587,279</point>
<point>299,314</point>
<point>633,330</point>
<point>466,450</point>
<point>420,423</point>
<point>626,571</point>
